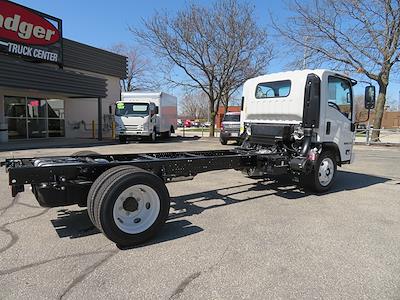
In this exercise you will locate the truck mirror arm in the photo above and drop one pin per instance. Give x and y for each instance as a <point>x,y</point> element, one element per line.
<point>363,121</point>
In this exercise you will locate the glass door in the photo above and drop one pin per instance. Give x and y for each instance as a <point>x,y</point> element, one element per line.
<point>37,118</point>
<point>56,122</point>
<point>15,112</point>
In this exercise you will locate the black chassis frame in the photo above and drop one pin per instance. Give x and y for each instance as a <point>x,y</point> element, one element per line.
<point>67,172</point>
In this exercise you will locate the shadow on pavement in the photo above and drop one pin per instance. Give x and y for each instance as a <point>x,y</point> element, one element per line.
<point>76,223</point>
<point>172,230</point>
<point>73,224</point>
<point>191,204</point>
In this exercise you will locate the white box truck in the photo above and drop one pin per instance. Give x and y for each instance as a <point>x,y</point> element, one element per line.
<point>145,114</point>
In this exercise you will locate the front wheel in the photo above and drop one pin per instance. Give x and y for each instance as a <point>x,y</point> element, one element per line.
<point>131,206</point>
<point>223,141</point>
<point>322,177</point>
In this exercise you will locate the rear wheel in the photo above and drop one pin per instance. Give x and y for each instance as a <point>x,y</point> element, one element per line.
<point>223,141</point>
<point>131,206</point>
<point>322,177</point>
<point>94,189</point>
<point>167,134</point>
<point>122,139</point>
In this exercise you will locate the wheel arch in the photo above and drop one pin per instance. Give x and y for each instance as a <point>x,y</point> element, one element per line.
<point>334,148</point>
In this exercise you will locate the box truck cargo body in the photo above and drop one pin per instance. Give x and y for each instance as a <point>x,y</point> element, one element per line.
<point>145,114</point>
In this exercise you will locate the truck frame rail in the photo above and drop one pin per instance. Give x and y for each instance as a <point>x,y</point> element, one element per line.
<point>169,166</point>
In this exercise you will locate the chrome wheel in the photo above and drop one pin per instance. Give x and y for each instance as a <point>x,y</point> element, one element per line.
<point>136,209</point>
<point>326,171</point>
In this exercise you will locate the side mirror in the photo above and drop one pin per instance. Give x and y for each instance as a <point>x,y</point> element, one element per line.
<point>369,98</point>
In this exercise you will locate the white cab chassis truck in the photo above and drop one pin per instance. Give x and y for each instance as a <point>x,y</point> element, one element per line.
<point>299,124</point>
<point>145,114</point>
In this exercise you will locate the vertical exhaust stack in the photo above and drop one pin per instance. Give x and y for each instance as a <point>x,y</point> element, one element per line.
<point>311,110</point>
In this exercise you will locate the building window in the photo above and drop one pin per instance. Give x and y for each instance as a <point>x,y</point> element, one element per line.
<point>30,117</point>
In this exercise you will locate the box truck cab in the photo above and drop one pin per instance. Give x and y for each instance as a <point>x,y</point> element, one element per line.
<point>146,115</point>
<point>309,114</point>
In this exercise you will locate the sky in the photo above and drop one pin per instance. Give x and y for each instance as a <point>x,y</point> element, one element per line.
<point>103,23</point>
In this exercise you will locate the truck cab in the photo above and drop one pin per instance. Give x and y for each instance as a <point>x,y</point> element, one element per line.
<point>303,113</point>
<point>135,119</point>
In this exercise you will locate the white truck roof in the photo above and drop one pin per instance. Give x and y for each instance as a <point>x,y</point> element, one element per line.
<point>144,94</point>
<point>293,75</point>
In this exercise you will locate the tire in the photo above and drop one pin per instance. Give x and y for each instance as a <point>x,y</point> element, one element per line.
<point>223,141</point>
<point>135,219</point>
<point>122,139</point>
<point>96,186</point>
<point>85,153</point>
<point>166,135</point>
<point>323,176</point>
<point>153,135</point>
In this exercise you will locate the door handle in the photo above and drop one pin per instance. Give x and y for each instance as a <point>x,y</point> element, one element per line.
<point>328,128</point>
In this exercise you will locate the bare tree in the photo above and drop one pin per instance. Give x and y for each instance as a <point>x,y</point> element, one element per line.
<point>216,48</point>
<point>138,68</point>
<point>195,105</point>
<point>359,109</point>
<point>352,35</point>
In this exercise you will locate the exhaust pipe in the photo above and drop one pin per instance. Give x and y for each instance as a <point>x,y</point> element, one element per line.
<point>306,142</point>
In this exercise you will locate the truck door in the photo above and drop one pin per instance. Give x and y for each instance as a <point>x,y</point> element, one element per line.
<point>339,126</point>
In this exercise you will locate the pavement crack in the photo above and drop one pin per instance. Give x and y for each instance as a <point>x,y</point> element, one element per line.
<point>27,218</point>
<point>182,286</point>
<point>14,238</point>
<point>3,210</point>
<point>39,263</point>
<point>86,272</point>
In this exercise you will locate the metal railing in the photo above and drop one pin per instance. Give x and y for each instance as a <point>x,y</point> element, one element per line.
<point>386,136</point>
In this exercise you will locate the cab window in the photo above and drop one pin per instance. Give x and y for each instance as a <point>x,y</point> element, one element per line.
<point>274,89</point>
<point>340,96</point>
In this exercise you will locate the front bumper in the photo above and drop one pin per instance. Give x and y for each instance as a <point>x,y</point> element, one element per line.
<point>230,135</point>
<point>133,132</point>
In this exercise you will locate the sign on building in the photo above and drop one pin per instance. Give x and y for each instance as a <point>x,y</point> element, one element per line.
<point>30,34</point>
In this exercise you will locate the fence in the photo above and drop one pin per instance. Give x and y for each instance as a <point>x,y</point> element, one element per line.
<point>386,136</point>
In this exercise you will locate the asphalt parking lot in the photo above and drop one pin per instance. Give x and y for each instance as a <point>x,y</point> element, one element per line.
<point>227,237</point>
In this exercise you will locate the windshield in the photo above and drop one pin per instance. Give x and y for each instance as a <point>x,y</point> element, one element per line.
<point>132,109</point>
<point>231,118</point>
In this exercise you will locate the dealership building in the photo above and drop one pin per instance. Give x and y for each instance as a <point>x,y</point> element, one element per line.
<point>52,87</point>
